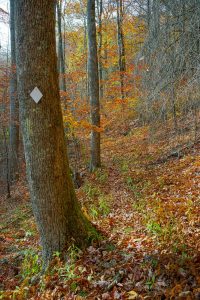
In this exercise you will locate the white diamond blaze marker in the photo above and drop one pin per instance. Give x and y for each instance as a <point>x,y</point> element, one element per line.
<point>36,95</point>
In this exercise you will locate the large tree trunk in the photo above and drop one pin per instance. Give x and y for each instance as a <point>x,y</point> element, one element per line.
<point>14,106</point>
<point>93,77</point>
<point>57,212</point>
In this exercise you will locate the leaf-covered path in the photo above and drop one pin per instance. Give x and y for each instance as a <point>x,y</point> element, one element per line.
<point>146,206</point>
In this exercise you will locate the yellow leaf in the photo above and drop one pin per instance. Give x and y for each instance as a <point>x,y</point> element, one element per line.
<point>132,295</point>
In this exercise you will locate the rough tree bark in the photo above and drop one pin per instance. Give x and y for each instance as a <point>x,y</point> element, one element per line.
<point>14,106</point>
<point>93,77</point>
<point>57,212</point>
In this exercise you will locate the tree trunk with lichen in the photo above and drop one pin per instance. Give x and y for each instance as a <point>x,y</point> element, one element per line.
<point>58,215</point>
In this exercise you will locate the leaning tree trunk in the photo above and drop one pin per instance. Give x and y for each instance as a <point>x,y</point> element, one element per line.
<point>14,107</point>
<point>93,77</point>
<point>57,212</point>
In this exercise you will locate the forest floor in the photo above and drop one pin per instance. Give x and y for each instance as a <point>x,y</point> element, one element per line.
<point>145,201</point>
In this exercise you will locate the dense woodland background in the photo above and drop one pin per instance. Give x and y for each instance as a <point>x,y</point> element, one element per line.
<point>128,87</point>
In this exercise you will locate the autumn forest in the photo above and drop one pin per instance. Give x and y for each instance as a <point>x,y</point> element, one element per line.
<point>100,149</point>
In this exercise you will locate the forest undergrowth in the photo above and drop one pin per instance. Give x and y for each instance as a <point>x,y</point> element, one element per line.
<point>145,203</point>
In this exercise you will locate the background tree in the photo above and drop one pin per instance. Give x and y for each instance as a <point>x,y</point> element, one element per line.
<point>57,212</point>
<point>171,58</point>
<point>93,77</point>
<point>5,180</point>
<point>121,46</point>
<point>14,106</point>
<point>61,50</point>
<point>100,41</point>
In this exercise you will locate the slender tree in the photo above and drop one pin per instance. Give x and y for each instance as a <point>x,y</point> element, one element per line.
<point>14,107</point>
<point>57,212</point>
<point>61,56</point>
<point>121,46</point>
<point>93,77</point>
<point>100,42</point>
